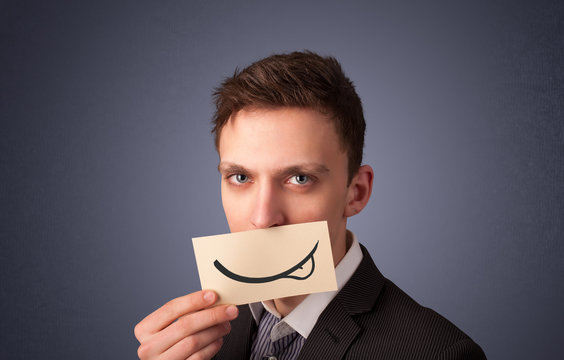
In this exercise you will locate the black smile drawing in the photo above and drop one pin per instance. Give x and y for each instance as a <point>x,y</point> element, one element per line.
<point>284,274</point>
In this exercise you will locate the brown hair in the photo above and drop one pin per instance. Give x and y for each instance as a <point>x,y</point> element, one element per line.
<point>298,79</point>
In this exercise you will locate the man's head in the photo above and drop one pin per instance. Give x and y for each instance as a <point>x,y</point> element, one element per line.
<point>286,141</point>
<point>302,80</point>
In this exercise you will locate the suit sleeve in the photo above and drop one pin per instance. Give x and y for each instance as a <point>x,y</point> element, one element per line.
<point>463,350</point>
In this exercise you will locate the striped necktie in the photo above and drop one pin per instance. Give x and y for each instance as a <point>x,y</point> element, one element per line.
<point>286,345</point>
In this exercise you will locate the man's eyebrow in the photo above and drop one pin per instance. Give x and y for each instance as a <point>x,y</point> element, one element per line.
<point>227,167</point>
<point>306,168</point>
<point>309,168</point>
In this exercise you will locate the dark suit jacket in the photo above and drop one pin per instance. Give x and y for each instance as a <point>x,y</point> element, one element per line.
<point>370,318</point>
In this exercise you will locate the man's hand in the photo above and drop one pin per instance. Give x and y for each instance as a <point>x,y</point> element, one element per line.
<point>197,333</point>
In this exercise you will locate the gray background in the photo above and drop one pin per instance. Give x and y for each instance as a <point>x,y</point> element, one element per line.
<point>107,168</point>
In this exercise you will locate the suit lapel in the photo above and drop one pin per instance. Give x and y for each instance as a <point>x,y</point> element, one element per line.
<point>336,329</point>
<point>331,336</point>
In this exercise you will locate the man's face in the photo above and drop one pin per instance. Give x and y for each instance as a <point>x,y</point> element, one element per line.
<point>283,166</point>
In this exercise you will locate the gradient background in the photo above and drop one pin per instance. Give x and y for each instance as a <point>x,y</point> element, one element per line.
<point>108,169</point>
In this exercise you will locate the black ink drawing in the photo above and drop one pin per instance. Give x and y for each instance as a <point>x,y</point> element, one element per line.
<point>284,274</point>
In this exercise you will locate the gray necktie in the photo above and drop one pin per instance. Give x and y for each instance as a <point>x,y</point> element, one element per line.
<point>284,348</point>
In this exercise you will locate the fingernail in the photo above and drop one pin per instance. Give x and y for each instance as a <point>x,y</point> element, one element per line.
<point>208,296</point>
<point>231,311</point>
<point>227,326</point>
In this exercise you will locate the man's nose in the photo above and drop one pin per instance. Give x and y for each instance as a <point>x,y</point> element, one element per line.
<point>268,207</point>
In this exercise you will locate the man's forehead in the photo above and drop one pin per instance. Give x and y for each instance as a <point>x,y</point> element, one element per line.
<point>286,123</point>
<point>275,140</point>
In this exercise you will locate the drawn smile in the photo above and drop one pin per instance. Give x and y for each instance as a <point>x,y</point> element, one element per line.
<point>283,274</point>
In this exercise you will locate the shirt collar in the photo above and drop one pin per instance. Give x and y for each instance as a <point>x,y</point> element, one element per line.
<point>303,318</point>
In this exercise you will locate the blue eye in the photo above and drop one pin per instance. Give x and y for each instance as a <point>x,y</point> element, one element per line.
<point>299,179</point>
<point>241,178</point>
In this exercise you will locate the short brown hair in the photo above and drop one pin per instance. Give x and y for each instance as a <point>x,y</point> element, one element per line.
<point>298,79</point>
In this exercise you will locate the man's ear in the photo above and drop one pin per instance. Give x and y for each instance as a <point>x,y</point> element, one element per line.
<point>359,191</point>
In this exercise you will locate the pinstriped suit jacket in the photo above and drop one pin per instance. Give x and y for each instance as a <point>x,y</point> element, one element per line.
<point>370,318</point>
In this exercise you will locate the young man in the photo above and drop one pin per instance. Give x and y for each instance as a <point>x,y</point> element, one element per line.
<point>290,133</point>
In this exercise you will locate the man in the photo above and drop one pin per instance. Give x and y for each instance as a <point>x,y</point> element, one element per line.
<point>290,133</point>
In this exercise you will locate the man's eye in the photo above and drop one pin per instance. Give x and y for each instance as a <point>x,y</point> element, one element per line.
<point>299,179</point>
<point>240,178</point>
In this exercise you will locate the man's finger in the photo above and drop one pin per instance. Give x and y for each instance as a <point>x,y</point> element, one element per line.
<point>208,352</point>
<point>197,342</point>
<point>172,310</point>
<point>187,326</point>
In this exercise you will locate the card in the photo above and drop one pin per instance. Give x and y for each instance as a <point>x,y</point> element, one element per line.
<point>256,265</point>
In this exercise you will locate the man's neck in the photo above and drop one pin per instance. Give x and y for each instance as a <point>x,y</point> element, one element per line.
<point>285,305</point>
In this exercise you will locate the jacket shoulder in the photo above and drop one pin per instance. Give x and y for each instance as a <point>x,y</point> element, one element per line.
<point>391,325</point>
<point>398,327</point>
